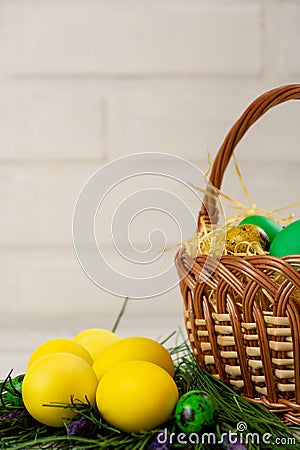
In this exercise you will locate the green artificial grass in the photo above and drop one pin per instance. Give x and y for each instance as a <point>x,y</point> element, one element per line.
<point>88,430</point>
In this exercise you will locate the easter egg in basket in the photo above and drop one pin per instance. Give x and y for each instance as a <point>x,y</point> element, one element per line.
<point>239,238</point>
<point>270,226</point>
<point>287,242</point>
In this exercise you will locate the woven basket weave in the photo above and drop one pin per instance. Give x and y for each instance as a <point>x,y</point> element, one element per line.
<point>257,352</point>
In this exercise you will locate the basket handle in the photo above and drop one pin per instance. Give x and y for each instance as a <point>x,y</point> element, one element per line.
<point>254,111</point>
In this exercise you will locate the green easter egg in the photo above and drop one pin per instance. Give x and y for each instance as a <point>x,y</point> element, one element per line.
<point>287,242</point>
<point>14,391</point>
<point>195,411</point>
<point>270,226</point>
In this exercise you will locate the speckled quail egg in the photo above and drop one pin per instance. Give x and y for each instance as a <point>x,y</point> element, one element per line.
<point>238,238</point>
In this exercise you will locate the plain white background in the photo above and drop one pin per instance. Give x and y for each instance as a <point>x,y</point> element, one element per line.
<point>83,82</point>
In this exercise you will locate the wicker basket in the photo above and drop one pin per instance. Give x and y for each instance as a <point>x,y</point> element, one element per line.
<point>257,352</point>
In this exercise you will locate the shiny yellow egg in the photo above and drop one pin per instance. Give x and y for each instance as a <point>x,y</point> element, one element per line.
<point>60,345</point>
<point>133,348</point>
<point>238,238</point>
<point>136,396</point>
<point>94,340</point>
<point>53,381</point>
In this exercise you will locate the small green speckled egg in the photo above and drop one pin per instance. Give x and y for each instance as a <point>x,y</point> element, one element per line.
<point>238,238</point>
<point>14,391</point>
<point>195,411</point>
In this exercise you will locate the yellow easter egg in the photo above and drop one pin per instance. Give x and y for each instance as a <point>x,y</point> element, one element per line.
<point>57,379</point>
<point>136,396</point>
<point>133,348</point>
<point>94,340</point>
<point>60,345</point>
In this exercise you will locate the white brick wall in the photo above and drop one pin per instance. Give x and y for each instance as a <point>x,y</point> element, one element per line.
<point>38,200</point>
<point>130,38</point>
<point>87,81</point>
<point>50,120</point>
<point>288,38</point>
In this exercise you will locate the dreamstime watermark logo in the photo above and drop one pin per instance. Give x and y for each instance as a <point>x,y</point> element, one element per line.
<point>241,437</point>
<point>127,216</point>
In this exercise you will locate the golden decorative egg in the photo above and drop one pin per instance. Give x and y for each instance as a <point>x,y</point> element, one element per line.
<point>239,238</point>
